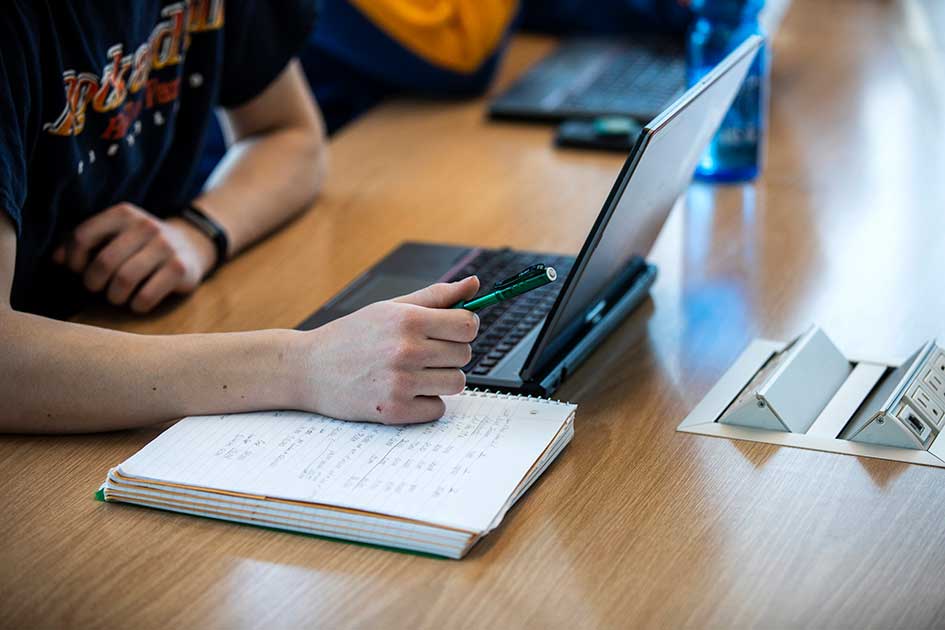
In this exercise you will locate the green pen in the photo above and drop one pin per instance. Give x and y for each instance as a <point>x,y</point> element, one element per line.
<point>535,276</point>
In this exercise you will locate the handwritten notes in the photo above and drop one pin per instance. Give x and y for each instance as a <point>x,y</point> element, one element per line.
<point>459,471</point>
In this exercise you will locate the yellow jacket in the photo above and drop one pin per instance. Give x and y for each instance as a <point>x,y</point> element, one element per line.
<point>455,34</point>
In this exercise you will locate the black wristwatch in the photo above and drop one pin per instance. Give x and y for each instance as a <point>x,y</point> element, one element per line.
<point>213,230</point>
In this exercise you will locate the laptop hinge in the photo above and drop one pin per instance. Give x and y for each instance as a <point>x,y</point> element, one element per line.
<point>570,359</point>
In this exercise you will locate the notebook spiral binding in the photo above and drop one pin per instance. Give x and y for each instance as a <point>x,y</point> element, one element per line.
<point>486,393</point>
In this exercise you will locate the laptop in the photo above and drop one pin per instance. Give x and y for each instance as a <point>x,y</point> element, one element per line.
<point>593,77</point>
<point>532,343</point>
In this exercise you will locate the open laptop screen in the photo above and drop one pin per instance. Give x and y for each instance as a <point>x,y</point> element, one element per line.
<point>657,172</point>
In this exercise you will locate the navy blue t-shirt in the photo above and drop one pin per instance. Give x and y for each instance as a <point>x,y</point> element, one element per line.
<point>103,102</point>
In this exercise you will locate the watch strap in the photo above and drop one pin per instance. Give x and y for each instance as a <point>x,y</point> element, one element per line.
<point>213,230</point>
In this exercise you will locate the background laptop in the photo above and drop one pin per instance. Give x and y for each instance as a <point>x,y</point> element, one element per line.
<point>594,77</point>
<point>532,343</point>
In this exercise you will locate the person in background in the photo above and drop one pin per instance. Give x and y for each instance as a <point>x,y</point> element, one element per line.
<point>605,17</point>
<point>103,110</point>
<point>363,51</point>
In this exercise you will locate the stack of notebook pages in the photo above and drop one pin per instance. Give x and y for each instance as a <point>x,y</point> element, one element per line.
<point>434,488</point>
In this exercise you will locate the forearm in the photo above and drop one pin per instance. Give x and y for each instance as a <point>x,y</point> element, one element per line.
<point>60,377</point>
<point>262,182</point>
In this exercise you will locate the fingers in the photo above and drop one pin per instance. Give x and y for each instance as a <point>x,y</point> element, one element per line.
<point>443,295</point>
<point>419,409</point>
<point>454,324</point>
<point>113,256</point>
<point>134,271</point>
<point>136,250</point>
<point>427,409</point>
<point>444,354</point>
<point>90,234</point>
<point>419,354</point>
<point>446,324</point>
<point>440,382</point>
<point>158,287</point>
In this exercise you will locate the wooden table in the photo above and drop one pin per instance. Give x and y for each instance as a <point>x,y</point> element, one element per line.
<point>635,525</point>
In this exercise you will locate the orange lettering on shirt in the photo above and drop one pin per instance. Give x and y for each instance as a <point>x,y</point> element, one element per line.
<point>80,89</point>
<point>119,124</point>
<point>161,93</point>
<point>207,15</point>
<point>168,37</point>
<point>112,89</point>
<point>142,69</point>
<point>124,74</point>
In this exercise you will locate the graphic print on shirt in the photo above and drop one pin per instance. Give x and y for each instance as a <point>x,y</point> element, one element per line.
<point>127,74</point>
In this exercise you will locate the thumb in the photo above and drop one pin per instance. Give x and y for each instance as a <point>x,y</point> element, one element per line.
<point>443,294</point>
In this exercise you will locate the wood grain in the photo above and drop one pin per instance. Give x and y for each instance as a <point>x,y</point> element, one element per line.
<point>635,525</point>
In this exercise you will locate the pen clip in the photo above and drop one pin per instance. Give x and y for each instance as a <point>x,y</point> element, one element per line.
<point>525,274</point>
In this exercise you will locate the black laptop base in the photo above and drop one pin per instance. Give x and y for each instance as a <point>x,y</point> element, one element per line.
<point>413,266</point>
<point>573,356</point>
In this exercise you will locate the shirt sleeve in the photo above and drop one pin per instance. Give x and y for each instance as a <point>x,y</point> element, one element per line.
<point>15,112</point>
<point>260,38</point>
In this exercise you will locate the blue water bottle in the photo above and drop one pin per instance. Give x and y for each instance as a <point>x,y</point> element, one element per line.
<point>736,151</point>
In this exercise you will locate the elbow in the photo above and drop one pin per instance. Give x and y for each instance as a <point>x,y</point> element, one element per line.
<point>313,158</point>
<point>318,156</point>
<point>304,150</point>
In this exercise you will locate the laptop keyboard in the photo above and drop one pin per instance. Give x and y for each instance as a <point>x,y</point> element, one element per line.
<point>502,326</point>
<point>592,78</point>
<point>630,83</point>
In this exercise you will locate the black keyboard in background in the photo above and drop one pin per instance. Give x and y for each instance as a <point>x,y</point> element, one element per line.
<point>502,326</point>
<point>586,78</point>
<point>630,84</point>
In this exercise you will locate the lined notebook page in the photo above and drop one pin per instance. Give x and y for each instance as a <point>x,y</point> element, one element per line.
<point>457,472</point>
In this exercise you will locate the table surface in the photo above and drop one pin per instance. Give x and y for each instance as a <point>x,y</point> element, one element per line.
<point>636,524</point>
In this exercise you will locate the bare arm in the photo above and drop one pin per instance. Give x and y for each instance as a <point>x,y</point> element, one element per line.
<point>272,171</point>
<point>62,377</point>
<point>275,164</point>
<point>387,363</point>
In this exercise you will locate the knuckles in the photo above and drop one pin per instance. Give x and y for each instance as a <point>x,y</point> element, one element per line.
<point>142,303</point>
<point>470,328</point>
<point>407,320</point>
<point>103,264</point>
<point>400,384</point>
<point>123,281</point>
<point>115,299</point>
<point>127,210</point>
<point>148,226</point>
<point>177,267</point>
<point>436,410</point>
<point>404,353</point>
<point>161,241</point>
<point>82,238</point>
<point>405,412</point>
<point>437,292</point>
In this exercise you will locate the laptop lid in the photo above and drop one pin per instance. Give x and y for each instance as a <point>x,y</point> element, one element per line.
<point>656,173</point>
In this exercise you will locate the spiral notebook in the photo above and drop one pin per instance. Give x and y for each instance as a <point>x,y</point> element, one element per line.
<point>434,488</point>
